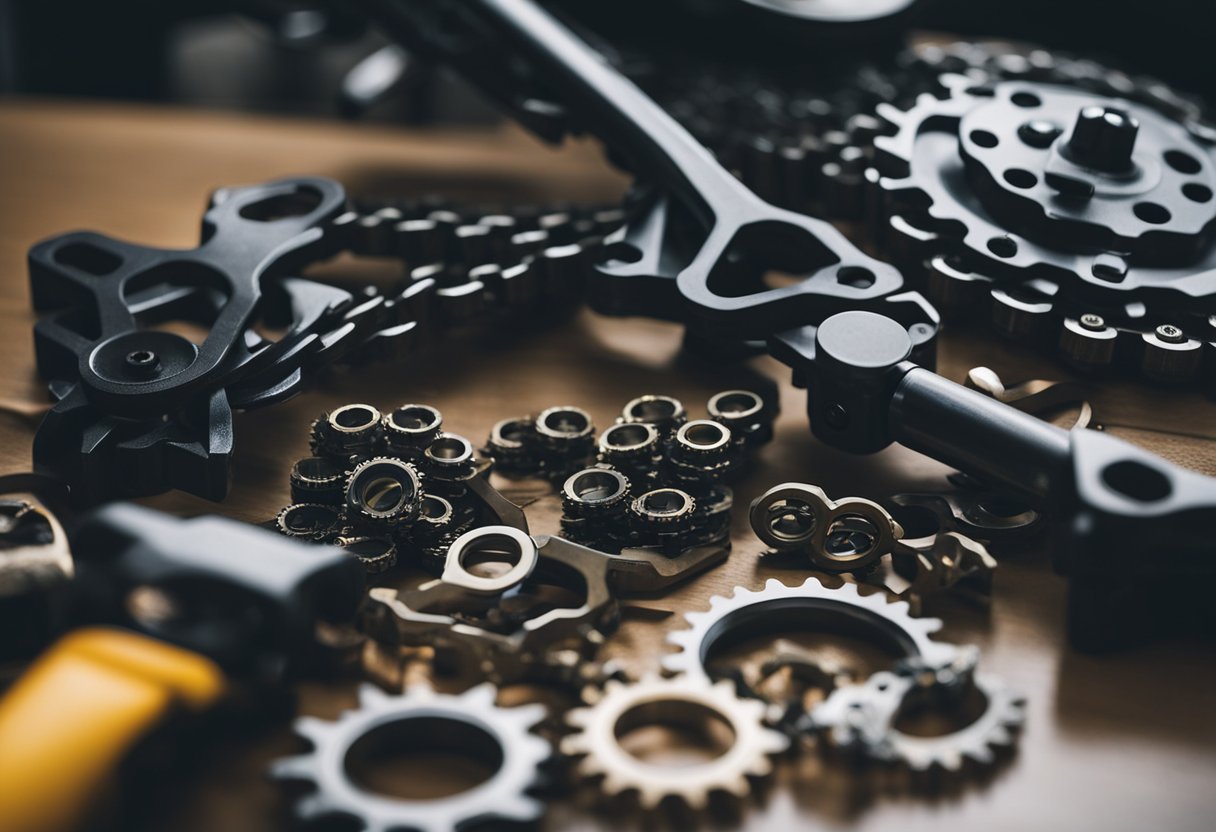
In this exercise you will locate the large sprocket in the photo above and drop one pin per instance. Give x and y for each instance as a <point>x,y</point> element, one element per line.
<point>1073,219</point>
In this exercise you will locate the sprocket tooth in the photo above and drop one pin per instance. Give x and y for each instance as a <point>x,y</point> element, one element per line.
<point>371,696</point>
<point>312,729</point>
<point>299,767</point>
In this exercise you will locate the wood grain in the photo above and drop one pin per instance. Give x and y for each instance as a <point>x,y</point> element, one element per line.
<point>1125,742</point>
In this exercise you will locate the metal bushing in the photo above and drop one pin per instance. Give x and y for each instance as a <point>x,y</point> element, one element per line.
<point>701,453</point>
<point>438,524</point>
<point>383,491</point>
<point>594,503</point>
<point>410,428</point>
<point>745,413</point>
<point>565,438</point>
<point>377,554</point>
<point>352,430</point>
<point>712,519</point>
<point>449,459</point>
<point>316,479</point>
<point>509,445</point>
<point>663,516</point>
<point>310,521</point>
<point>598,493</point>
<point>664,412</point>
<point>632,446</point>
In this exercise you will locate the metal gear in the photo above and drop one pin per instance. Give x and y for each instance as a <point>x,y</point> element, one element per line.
<point>863,717</point>
<point>653,699</point>
<point>504,732</point>
<point>778,607</point>
<point>1083,222</point>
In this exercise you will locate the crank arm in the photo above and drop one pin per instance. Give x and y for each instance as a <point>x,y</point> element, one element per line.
<point>729,223</point>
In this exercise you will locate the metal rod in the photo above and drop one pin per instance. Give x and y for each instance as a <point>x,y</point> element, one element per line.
<point>973,432</point>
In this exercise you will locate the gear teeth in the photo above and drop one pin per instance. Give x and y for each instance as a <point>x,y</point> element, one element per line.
<point>530,715</point>
<point>502,797</point>
<point>890,113</point>
<point>371,696</point>
<point>312,729</point>
<point>292,768</point>
<point>578,717</point>
<point>703,628</point>
<point>864,717</point>
<point>312,807</point>
<point>595,737</point>
<point>917,189</point>
<point>696,800</point>
<point>481,696</point>
<point>983,756</point>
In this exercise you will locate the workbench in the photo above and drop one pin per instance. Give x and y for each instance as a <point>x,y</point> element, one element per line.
<point>1120,742</point>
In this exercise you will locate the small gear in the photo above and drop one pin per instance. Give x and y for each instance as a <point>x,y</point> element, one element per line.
<point>353,430</point>
<point>653,699</point>
<point>863,717</point>
<point>702,452</point>
<point>383,492</point>
<point>509,445</point>
<point>410,428</point>
<point>1081,221</point>
<point>504,733</point>
<point>778,608</point>
<point>310,521</point>
<point>664,412</point>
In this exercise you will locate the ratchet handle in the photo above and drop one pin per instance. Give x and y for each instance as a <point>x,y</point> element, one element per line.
<point>78,710</point>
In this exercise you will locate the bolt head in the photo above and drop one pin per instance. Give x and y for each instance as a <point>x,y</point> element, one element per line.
<point>1039,133</point>
<point>1103,139</point>
<point>1170,334</point>
<point>1093,322</point>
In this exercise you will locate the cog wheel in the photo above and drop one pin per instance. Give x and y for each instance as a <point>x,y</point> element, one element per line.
<point>1079,221</point>
<point>778,607</point>
<point>596,740</point>
<point>504,733</point>
<point>862,718</point>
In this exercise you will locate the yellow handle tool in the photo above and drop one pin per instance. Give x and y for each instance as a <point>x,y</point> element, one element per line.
<point>69,720</point>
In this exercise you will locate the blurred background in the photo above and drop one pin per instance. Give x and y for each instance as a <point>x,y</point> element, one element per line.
<point>328,59</point>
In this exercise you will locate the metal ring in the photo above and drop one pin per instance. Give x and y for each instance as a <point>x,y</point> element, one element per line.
<point>720,409</point>
<point>456,572</point>
<point>691,437</point>
<point>595,487</point>
<point>384,489</point>
<point>338,422</point>
<point>638,436</point>
<point>564,423</point>
<point>449,449</point>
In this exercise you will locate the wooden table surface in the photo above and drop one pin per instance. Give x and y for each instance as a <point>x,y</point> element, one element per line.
<point>1114,743</point>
